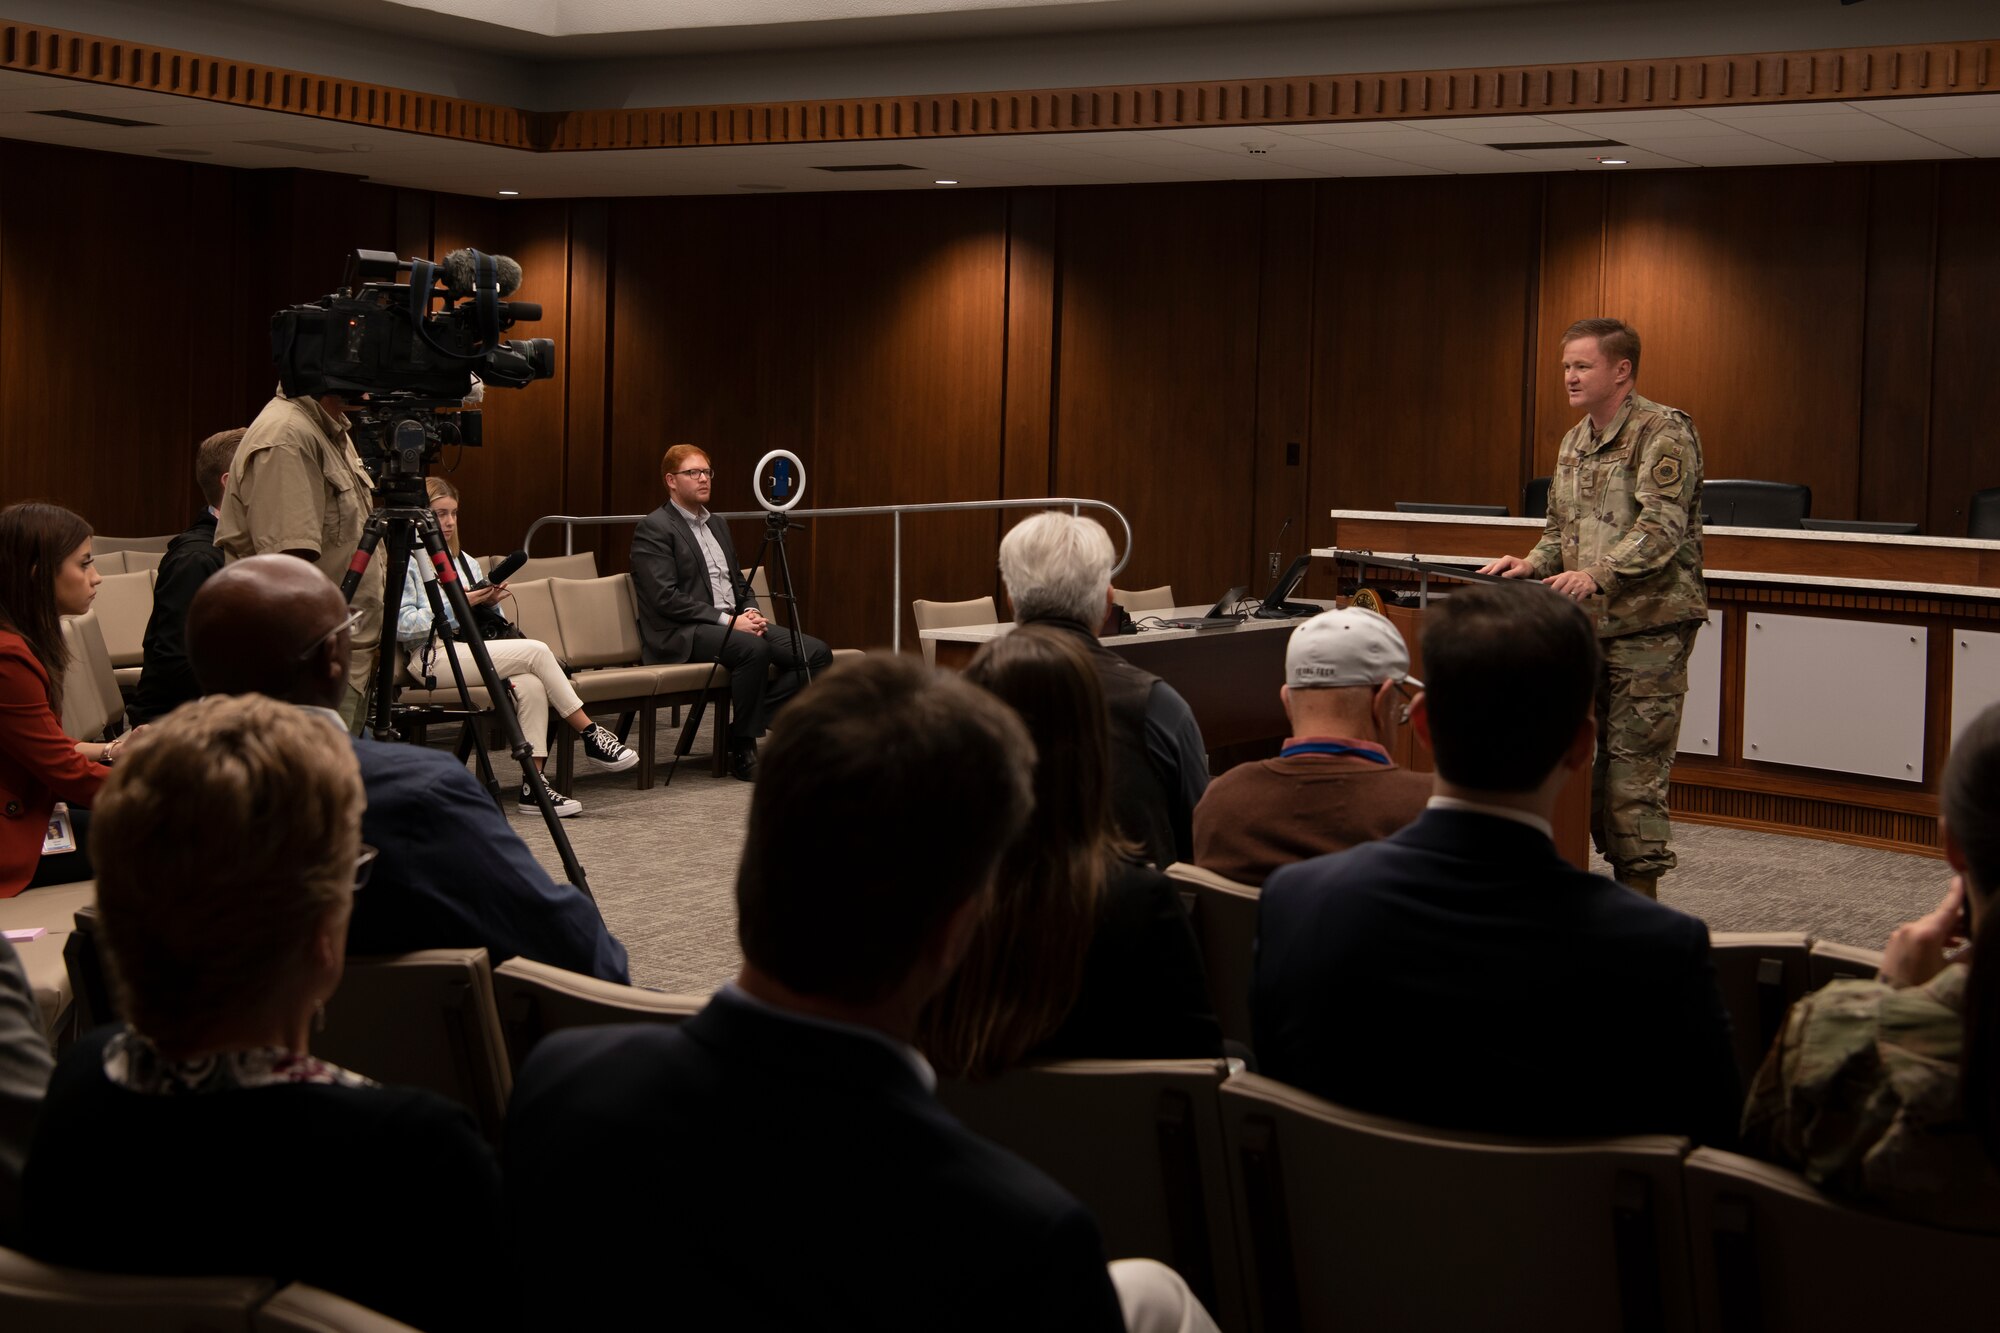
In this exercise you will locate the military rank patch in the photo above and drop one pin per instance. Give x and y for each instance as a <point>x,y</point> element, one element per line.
<point>1667,473</point>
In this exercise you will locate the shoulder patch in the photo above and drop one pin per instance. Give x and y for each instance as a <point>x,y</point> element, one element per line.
<point>1667,473</point>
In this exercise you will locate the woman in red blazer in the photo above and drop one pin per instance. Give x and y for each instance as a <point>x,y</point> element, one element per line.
<point>45,573</point>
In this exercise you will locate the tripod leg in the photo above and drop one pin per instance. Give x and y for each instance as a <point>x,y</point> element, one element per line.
<point>792,603</point>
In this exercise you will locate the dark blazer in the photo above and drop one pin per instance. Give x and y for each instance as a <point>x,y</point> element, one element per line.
<point>1145,992</point>
<point>39,765</point>
<point>1460,973</point>
<point>452,874</point>
<point>748,1170</point>
<point>387,1196</point>
<point>670,582</point>
<point>167,680</point>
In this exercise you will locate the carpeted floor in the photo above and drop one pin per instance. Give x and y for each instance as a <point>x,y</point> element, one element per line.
<point>663,864</point>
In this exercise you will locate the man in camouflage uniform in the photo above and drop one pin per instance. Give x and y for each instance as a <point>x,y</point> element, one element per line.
<point>1624,538</point>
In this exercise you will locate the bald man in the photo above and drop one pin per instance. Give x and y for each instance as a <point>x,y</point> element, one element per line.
<point>450,872</point>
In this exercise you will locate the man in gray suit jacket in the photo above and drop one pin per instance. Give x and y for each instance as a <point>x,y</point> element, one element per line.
<point>696,606</point>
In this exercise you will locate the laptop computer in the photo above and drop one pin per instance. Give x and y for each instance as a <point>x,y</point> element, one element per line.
<point>1220,616</point>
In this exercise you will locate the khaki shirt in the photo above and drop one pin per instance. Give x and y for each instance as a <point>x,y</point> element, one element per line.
<point>296,484</point>
<point>1625,508</point>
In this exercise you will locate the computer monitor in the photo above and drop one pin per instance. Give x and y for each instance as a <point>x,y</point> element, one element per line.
<point>1858,525</point>
<point>1275,607</point>
<point>1474,511</point>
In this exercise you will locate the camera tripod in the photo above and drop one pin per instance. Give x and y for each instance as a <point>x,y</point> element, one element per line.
<point>405,519</point>
<point>776,525</point>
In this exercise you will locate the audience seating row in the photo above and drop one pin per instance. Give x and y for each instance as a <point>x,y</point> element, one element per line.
<point>42,1298</point>
<point>93,705</point>
<point>1285,1212</point>
<point>1760,974</point>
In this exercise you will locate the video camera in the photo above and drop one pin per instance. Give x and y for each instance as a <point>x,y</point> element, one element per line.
<point>405,352</point>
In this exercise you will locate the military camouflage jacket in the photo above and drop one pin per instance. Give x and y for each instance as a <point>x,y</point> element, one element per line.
<point>1861,1094</point>
<point>1625,508</point>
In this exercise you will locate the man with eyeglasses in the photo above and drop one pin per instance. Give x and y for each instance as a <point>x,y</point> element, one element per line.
<point>1333,785</point>
<point>696,606</point>
<point>451,873</point>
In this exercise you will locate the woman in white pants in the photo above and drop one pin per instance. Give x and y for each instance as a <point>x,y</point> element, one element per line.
<point>527,664</point>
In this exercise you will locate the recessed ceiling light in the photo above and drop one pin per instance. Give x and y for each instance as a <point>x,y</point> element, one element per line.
<point>1613,161</point>
<point>510,191</point>
<point>944,182</point>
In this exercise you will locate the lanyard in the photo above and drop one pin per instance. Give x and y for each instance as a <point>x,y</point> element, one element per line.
<point>1332,747</point>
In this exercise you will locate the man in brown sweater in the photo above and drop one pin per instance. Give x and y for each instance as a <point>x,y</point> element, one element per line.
<point>1333,785</point>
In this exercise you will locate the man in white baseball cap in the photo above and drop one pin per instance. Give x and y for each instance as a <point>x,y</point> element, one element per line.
<point>1334,784</point>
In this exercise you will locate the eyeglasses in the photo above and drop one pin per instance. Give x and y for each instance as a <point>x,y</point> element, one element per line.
<point>698,473</point>
<point>348,622</point>
<point>364,866</point>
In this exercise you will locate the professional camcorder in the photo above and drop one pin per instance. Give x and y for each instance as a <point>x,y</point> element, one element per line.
<point>407,353</point>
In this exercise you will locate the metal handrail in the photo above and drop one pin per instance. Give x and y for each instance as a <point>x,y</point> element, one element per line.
<point>571,522</point>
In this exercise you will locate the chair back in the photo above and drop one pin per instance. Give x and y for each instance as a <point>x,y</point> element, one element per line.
<point>101,545</point>
<point>599,619</point>
<point>1760,975</point>
<point>1355,1221</point>
<point>536,999</point>
<point>1535,497</point>
<point>108,563</point>
<point>1829,961</point>
<point>136,560</point>
<point>1145,599</point>
<point>1982,516</point>
<point>945,615</point>
<point>85,714</point>
<point>1755,504</point>
<point>42,1298</point>
<point>582,565</point>
<point>1225,922</point>
<point>124,604</point>
<point>425,1020</point>
<point>1139,1143</point>
<point>89,984</point>
<point>760,584</point>
<point>1772,1253</point>
<point>299,1308</point>
<point>533,608</point>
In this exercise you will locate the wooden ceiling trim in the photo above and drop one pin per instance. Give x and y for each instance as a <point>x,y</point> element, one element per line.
<point>1769,78</point>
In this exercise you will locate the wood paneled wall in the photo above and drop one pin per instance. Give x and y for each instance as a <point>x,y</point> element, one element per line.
<point>1212,358</point>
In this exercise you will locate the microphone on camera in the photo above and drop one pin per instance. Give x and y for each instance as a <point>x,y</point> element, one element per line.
<point>506,567</point>
<point>461,273</point>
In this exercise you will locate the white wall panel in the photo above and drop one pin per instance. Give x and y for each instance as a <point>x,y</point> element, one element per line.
<point>1975,675</point>
<point>1845,695</point>
<point>1701,714</point>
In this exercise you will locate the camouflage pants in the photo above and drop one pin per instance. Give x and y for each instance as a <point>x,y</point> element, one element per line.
<point>1639,696</point>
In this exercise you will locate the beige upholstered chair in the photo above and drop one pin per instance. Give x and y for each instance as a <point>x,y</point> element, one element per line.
<point>1760,975</point>
<point>1770,1252</point>
<point>136,560</point>
<point>1145,599</point>
<point>124,604</point>
<point>1828,960</point>
<point>54,910</point>
<point>598,624</point>
<point>533,608</point>
<point>536,999</point>
<point>299,1308</point>
<point>92,703</point>
<point>41,1298</point>
<point>426,1020</point>
<point>945,615</point>
<point>582,565</point>
<point>1356,1221</point>
<point>100,546</point>
<point>1139,1142</point>
<point>1225,921</point>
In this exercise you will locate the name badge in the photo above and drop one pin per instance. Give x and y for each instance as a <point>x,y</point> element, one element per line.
<point>61,836</point>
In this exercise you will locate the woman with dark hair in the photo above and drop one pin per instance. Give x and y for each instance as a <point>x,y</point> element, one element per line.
<point>1086,951</point>
<point>46,572</point>
<point>537,678</point>
<point>1888,1091</point>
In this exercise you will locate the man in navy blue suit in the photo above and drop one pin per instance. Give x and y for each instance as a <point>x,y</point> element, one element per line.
<point>1462,974</point>
<point>779,1161</point>
<point>450,872</point>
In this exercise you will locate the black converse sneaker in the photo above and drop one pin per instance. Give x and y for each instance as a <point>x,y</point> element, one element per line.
<point>565,805</point>
<point>601,744</point>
